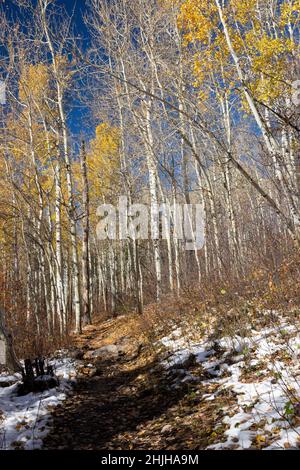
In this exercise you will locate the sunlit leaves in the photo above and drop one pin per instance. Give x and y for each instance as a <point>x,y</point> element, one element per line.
<point>198,19</point>
<point>103,163</point>
<point>263,36</point>
<point>34,82</point>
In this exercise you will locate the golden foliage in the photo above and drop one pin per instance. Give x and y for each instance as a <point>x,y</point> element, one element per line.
<point>34,83</point>
<point>262,38</point>
<point>103,159</point>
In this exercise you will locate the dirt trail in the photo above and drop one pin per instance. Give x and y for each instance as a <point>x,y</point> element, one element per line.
<point>130,405</point>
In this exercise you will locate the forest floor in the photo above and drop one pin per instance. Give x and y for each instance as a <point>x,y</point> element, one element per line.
<point>129,404</point>
<point>182,391</point>
<point>188,380</point>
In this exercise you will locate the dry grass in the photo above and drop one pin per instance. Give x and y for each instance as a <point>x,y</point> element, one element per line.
<point>217,308</point>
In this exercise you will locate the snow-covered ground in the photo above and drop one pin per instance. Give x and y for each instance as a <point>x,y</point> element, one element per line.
<point>262,371</point>
<point>25,420</point>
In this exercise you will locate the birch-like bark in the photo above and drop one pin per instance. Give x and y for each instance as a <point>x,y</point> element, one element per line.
<point>86,312</point>
<point>61,304</point>
<point>154,202</point>
<point>71,209</point>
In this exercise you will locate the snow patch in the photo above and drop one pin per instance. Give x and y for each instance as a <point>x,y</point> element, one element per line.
<point>265,401</point>
<point>25,420</point>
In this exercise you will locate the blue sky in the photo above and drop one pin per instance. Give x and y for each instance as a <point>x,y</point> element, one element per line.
<point>77,8</point>
<point>77,118</point>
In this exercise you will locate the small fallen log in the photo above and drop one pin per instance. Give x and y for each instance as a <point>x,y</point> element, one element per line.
<point>35,378</point>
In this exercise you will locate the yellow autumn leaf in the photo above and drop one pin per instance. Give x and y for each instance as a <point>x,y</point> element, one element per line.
<point>260,439</point>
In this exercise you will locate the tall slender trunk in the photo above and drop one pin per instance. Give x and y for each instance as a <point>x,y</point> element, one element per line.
<point>154,203</point>
<point>86,311</point>
<point>63,127</point>
<point>61,304</point>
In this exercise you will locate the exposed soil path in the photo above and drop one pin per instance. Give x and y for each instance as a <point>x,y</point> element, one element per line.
<point>130,405</point>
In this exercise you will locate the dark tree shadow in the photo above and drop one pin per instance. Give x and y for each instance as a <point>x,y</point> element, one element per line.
<point>102,408</point>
